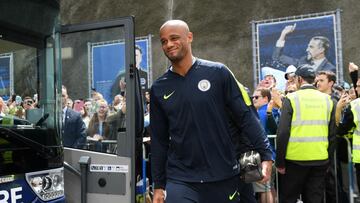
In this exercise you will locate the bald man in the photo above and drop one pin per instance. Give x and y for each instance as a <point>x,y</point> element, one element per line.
<point>193,157</point>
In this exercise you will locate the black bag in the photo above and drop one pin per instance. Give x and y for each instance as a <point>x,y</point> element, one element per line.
<point>250,167</point>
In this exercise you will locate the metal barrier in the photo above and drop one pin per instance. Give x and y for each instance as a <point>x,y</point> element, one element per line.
<point>350,170</point>
<point>106,146</point>
<point>276,174</point>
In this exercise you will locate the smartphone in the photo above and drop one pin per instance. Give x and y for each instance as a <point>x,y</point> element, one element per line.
<point>78,105</point>
<point>18,100</point>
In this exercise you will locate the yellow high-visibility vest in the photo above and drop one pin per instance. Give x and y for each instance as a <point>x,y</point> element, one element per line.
<point>242,89</point>
<point>355,109</point>
<point>309,125</point>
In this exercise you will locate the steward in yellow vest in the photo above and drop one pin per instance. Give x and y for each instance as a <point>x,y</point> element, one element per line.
<point>351,122</point>
<point>355,109</point>
<point>309,130</point>
<point>306,132</point>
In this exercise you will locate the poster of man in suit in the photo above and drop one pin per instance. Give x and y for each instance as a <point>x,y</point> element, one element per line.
<point>108,66</point>
<point>296,41</point>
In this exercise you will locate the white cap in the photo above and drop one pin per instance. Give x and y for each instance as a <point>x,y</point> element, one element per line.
<point>289,69</point>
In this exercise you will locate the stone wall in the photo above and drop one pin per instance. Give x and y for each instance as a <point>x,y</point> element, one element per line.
<point>222,29</point>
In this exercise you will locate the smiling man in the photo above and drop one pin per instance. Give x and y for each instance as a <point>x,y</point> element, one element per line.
<point>193,157</point>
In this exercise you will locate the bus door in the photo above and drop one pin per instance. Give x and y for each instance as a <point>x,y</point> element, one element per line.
<point>98,70</point>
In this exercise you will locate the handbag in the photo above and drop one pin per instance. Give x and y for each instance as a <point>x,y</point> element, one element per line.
<point>250,167</point>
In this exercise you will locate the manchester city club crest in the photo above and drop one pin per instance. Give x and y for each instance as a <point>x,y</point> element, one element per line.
<point>204,85</point>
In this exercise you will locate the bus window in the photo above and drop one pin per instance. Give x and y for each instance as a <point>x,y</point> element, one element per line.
<point>18,81</point>
<point>97,60</point>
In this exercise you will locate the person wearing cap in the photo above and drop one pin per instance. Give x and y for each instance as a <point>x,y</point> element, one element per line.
<point>305,140</point>
<point>290,72</point>
<point>289,75</point>
<point>315,52</point>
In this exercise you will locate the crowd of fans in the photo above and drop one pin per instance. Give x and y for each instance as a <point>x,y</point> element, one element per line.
<point>17,106</point>
<point>102,120</point>
<point>268,102</point>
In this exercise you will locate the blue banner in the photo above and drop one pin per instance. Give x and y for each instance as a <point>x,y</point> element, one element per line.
<point>286,42</point>
<point>109,67</point>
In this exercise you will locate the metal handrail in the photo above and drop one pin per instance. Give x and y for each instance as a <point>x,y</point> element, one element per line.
<point>72,169</point>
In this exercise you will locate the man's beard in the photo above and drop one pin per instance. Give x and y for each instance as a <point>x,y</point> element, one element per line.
<point>308,56</point>
<point>175,58</point>
<point>180,55</point>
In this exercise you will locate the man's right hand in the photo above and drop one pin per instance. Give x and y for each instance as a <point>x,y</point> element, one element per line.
<point>276,97</point>
<point>266,171</point>
<point>353,67</point>
<point>288,29</point>
<point>343,101</point>
<point>281,170</point>
<point>159,196</point>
